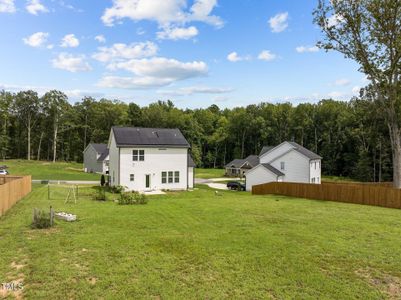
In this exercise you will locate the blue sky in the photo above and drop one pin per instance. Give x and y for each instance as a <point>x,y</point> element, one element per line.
<point>194,52</point>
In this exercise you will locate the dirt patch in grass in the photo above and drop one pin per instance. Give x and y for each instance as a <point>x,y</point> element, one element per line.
<point>14,288</point>
<point>92,280</point>
<point>17,266</point>
<point>386,283</point>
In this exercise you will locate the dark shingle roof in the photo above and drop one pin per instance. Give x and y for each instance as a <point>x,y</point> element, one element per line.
<point>253,160</point>
<point>191,163</point>
<point>273,169</point>
<point>236,163</point>
<point>265,149</point>
<point>136,136</point>
<point>100,148</point>
<point>103,156</point>
<point>309,154</point>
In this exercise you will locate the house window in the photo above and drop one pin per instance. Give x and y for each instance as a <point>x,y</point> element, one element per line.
<point>131,177</point>
<point>138,155</point>
<point>317,180</point>
<point>170,177</point>
<point>315,165</point>
<point>164,177</point>
<point>319,164</point>
<point>282,165</point>
<point>176,177</point>
<point>313,180</point>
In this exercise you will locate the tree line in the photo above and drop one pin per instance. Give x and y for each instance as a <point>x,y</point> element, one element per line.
<point>350,136</point>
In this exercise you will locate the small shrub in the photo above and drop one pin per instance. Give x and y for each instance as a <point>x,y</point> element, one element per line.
<point>102,180</point>
<point>41,219</point>
<point>100,194</point>
<point>132,198</point>
<point>117,189</point>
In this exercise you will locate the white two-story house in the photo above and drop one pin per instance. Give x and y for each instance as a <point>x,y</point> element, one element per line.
<point>287,162</point>
<point>148,159</point>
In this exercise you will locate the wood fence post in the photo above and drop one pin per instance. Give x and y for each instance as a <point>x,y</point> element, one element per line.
<point>51,216</point>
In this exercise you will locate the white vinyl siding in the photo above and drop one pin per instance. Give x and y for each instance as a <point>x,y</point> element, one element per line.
<point>156,162</point>
<point>91,165</point>
<point>114,161</point>
<point>259,175</point>
<point>315,171</point>
<point>191,178</point>
<point>276,152</point>
<point>296,166</point>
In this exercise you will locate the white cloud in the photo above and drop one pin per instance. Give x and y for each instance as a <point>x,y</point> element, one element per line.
<point>334,20</point>
<point>153,72</point>
<point>234,57</point>
<point>164,12</point>
<point>187,91</point>
<point>100,38</point>
<point>7,6</point>
<point>342,82</point>
<point>69,41</point>
<point>201,10</point>
<point>356,90</point>
<point>71,63</point>
<point>123,51</point>
<point>177,33</point>
<point>68,6</point>
<point>37,39</point>
<point>266,55</point>
<point>279,22</point>
<point>34,7</point>
<point>305,49</point>
<point>140,31</point>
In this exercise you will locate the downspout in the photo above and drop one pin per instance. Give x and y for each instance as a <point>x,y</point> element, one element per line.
<point>118,171</point>
<point>187,170</point>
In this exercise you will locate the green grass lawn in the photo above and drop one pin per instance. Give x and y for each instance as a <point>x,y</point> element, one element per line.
<point>48,170</point>
<point>195,245</point>
<point>209,173</point>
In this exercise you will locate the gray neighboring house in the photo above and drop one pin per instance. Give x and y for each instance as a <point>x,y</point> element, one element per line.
<point>238,167</point>
<point>96,158</point>
<point>287,162</point>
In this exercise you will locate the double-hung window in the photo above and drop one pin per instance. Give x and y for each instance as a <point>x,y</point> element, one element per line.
<point>176,177</point>
<point>170,177</point>
<point>282,165</point>
<point>131,177</point>
<point>164,177</point>
<point>138,155</point>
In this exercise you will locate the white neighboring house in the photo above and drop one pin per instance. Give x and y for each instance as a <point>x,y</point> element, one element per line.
<point>150,159</point>
<point>96,158</point>
<point>287,162</point>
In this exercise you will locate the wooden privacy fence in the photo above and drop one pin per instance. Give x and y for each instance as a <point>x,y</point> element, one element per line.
<point>12,189</point>
<point>368,194</point>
